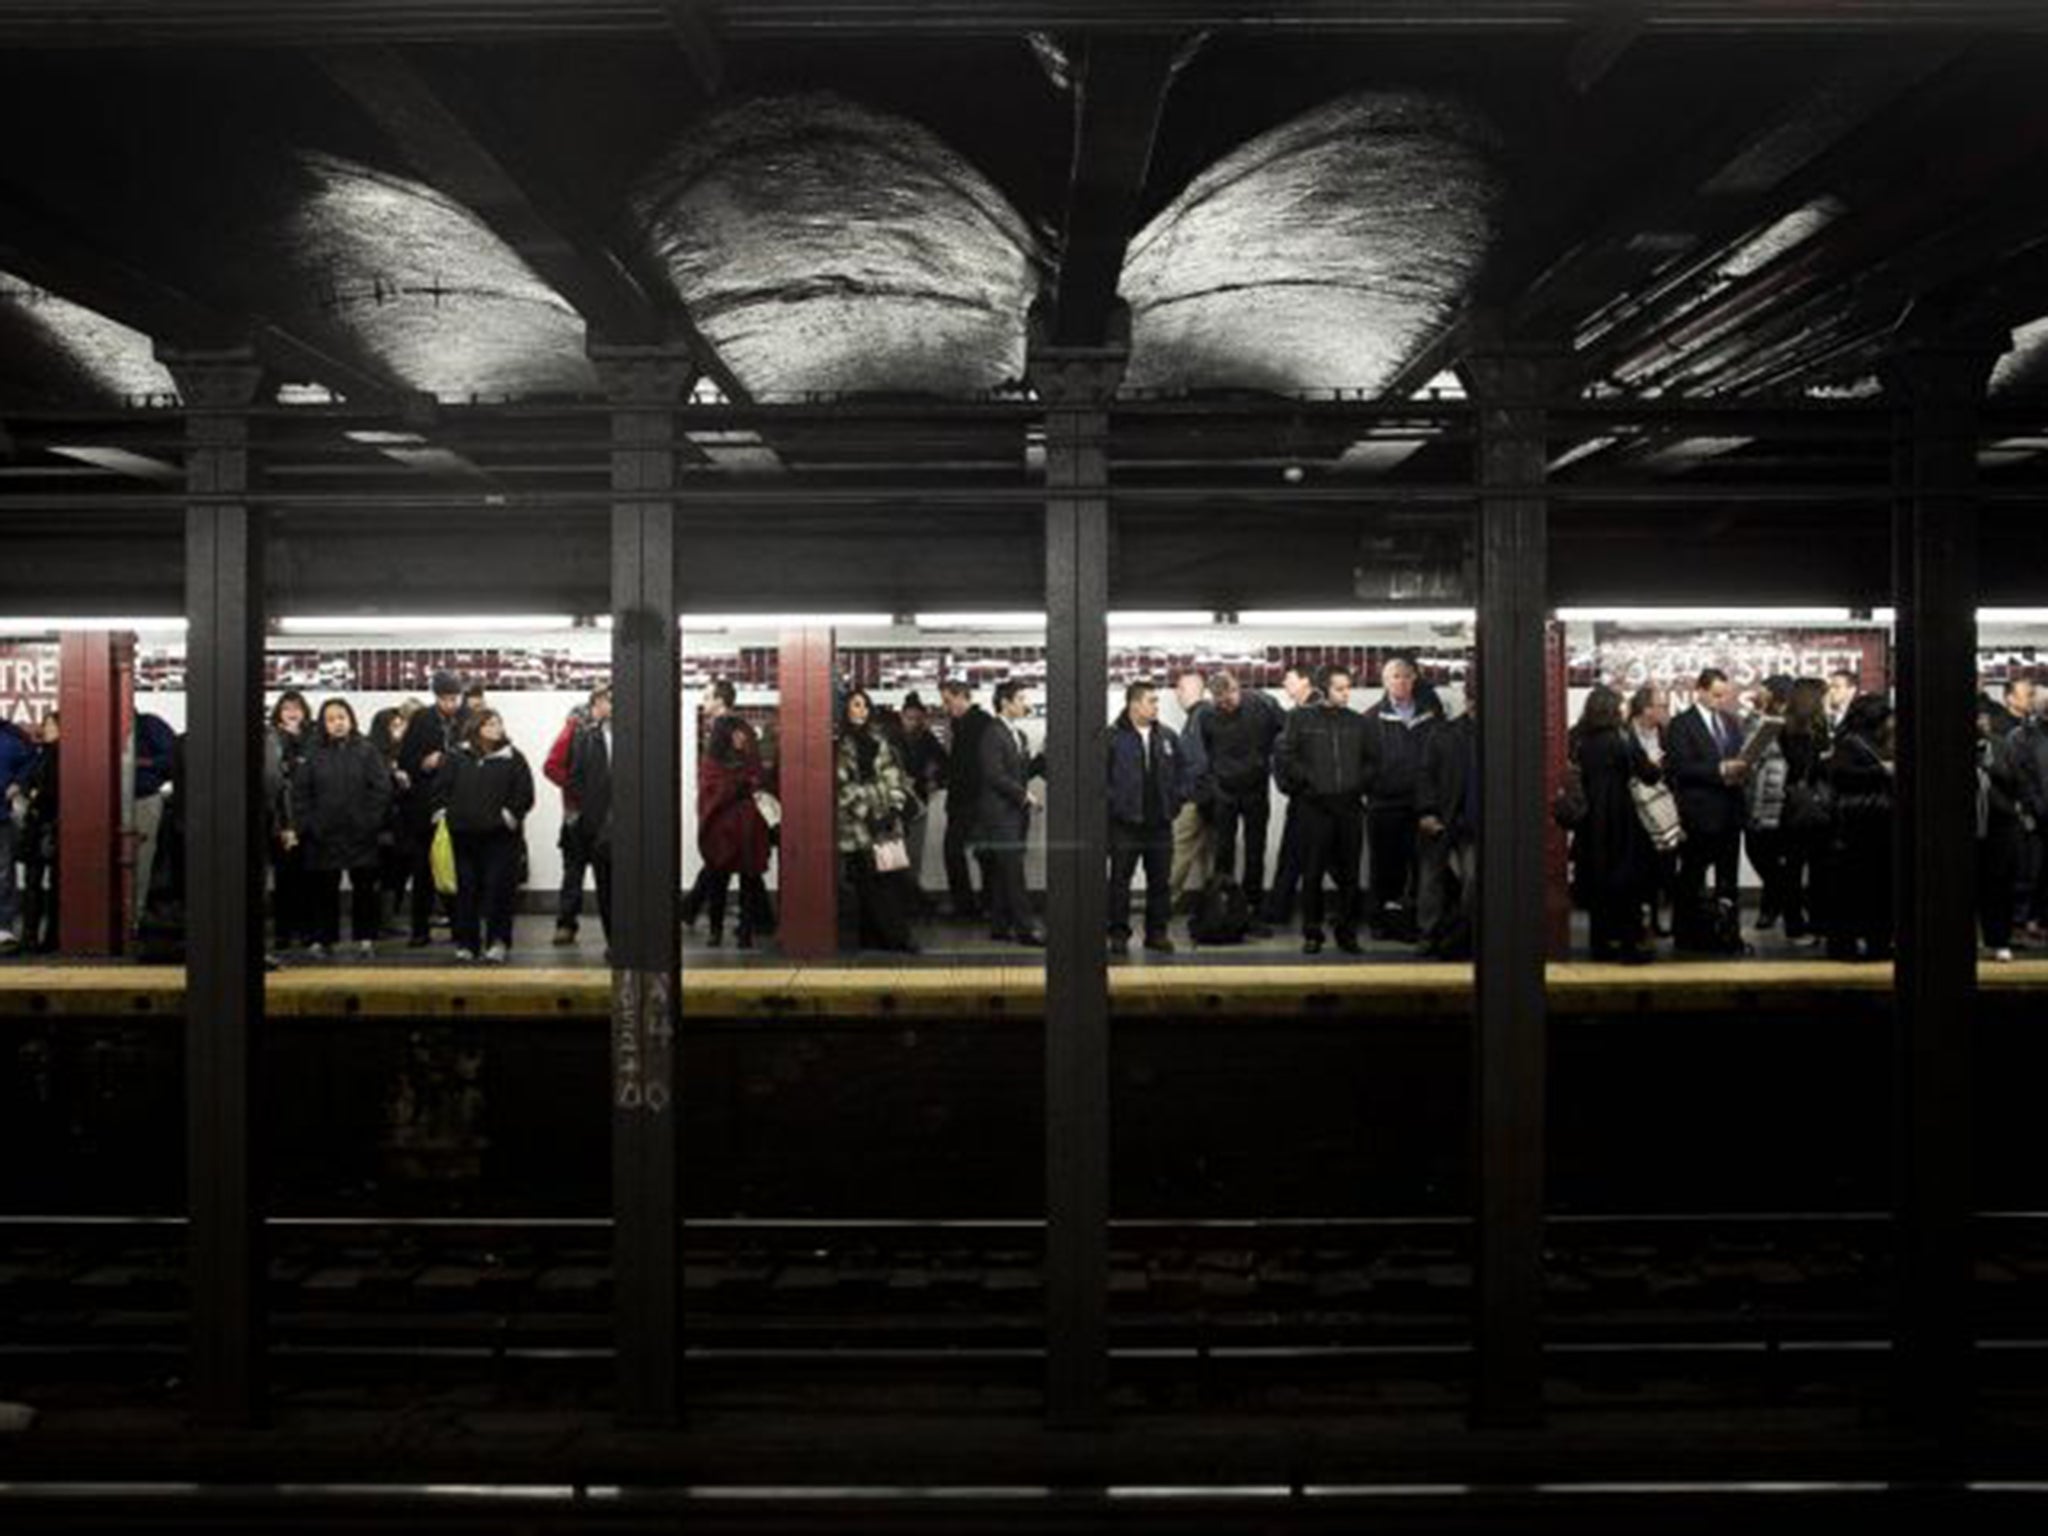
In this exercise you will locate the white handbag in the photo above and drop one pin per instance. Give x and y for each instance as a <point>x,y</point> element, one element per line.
<point>1657,809</point>
<point>769,807</point>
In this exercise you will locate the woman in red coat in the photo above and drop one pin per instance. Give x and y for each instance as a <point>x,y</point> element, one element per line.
<point>732,834</point>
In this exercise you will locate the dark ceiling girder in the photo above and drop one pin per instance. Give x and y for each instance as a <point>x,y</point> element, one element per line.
<point>39,248</point>
<point>312,23</point>
<point>1119,86</point>
<point>692,27</point>
<point>450,139</point>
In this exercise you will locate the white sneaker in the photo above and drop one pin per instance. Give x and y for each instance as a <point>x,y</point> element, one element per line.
<point>2001,954</point>
<point>497,954</point>
<point>367,949</point>
<point>465,954</point>
<point>8,942</point>
<point>316,951</point>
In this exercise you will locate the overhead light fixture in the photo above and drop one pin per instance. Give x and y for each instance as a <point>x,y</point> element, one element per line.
<point>716,621</point>
<point>1704,615</point>
<point>2012,615</point>
<point>121,461</point>
<point>1321,618</point>
<point>425,624</point>
<point>14,627</point>
<point>1009,621</point>
<point>1185,619</point>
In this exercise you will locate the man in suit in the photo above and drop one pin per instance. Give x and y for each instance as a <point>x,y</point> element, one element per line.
<point>1703,755</point>
<point>590,781</point>
<point>967,721</point>
<point>1002,816</point>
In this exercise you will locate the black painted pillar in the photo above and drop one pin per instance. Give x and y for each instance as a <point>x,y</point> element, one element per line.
<point>221,792</point>
<point>1937,389</point>
<point>646,386</point>
<point>1076,386</point>
<point>1509,389</point>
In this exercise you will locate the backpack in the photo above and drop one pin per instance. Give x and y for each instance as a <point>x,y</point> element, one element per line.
<point>1569,809</point>
<point>1713,927</point>
<point>1221,915</point>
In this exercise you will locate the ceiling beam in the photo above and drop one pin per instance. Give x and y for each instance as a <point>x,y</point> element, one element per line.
<point>691,23</point>
<point>1120,86</point>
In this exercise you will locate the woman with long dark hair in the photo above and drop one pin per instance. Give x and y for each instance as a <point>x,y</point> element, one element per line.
<point>1808,814</point>
<point>732,834</point>
<point>1859,904</point>
<point>344,807</point>
<point>1614,863</point>
<point>874,795</point>
<point>489,793</point>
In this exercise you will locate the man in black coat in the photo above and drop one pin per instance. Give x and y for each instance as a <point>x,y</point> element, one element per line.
<point>1240,730</point>
<point>1322,763</point>
<point>1146,783</point>
<point>590,781</point>
<point>968,722</point>
<point>1703,756</point>
<point>430,736</point>
<point>1447,827</point>
<point>1002,816</point>
<point>1399,728</point>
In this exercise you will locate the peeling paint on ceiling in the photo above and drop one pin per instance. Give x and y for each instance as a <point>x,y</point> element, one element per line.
<point>426,288</point>
<point>822,245</point>
<point>79,351</point>
<point>1319,254</point>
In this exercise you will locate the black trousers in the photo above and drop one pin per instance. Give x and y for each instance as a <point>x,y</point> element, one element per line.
<point>39,905</point>
<point>1131,845</point>
<point>365,909</point>
<point>958,845</point>
<point>1249,814</point>
<point>291,911</point>
<point>1720,852</point>
<point>1009,899</point>
<point>1390,833</point>
<point>1998,861</point>
<point>1332,837</point>
<point>487,875</point>
<point>420,847</point>
<point>601,868</point>
<point>1279,904</point>
<point>576,862</point>
<point>880,902</point>
<point>753,899</point>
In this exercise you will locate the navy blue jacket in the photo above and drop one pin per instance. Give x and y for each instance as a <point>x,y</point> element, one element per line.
<point>16,753</point>
<point>155,742</point>
<point>1127,774</point>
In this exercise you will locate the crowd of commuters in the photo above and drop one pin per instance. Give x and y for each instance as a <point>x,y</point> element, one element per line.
<point>422,817</point>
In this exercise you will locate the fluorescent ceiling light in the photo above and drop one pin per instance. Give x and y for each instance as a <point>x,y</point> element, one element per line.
<point>43,626</point>
<point>708,621</point>
<point>1316,618</point>
<point>1704,615</point>
<point>425,624</point>
<point>1017,621</point>
<point>121,461</point>
<point>1186,619</point>
<point>2012,615</point>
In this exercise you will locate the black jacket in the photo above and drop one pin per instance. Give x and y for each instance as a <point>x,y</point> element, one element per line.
<point>1238,747</point>
<point>590,781</point>
<point>963,763</point>
<point>1450,761</point>
<point>1708,805</point>
<point>927,762</point>
<point>1398,750</point>
<point>1002,813</point>
<point>1323,753</point>
<point>1613,859</point>
<point>2030,762</point>
<point>1127,775</point>
<point>480,793</point>
<point>428,732</point>
<point>341,796</point>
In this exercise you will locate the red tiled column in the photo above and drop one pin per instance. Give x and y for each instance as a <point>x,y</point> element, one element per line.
<point>95,857</point>
<point>809,873</point>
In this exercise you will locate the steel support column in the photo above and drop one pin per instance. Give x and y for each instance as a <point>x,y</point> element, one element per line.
<point>1076,385</point>
<point>221,797</point>
<point>646,386</point>
<point>1935,547</point>
<point>807,768</point>
<point>1510,1038</point>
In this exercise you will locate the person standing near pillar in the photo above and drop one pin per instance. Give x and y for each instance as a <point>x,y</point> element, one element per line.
<point>2030,760</point>
<point>430,736</point>
<point>732,834</point>
<point>1998,833</point>
<point>1703,754</point>
<point>924,758</point>
<point>1239,730</point>
<point>34,811</point>
<point>343,798</point>
<point>968,722</point>
<point>1322,763</point>
<point>1399,728</point>
<point>1194,859</point>
<point>587,781</point>
<point>1764,815</point>
<point>155,744</point>
<point>17,756</point>
<point>1447,829</point>
<point>575,839</point>
<point>486,793</point>
<point>1299,689</point>
<point>1859,880</point>
<point>720,698</point>
<point>1145,787</point>
<point>291,896</point>
<point>872,798</point>
<point>1003,816</point>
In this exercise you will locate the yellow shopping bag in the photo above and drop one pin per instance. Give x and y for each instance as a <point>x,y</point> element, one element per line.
<point>443,859</point>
